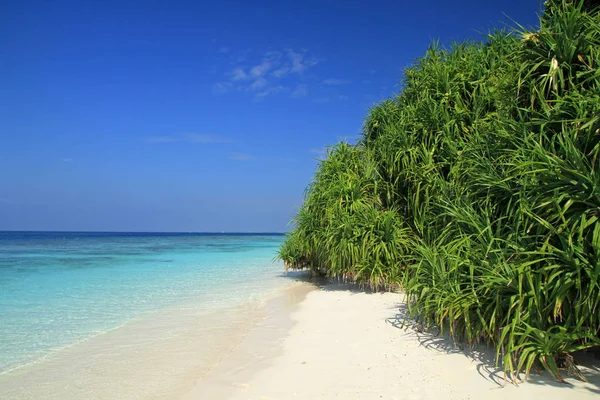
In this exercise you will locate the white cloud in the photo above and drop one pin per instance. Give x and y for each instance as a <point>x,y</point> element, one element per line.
<point>281,72</point>
<point>269,91</point>
<point>273,55</point>
<point>258,84</point>
<point>335,82</point>
<point>238,74</point>
<point>224,50</point>
<point>287,66</point>
<point>259,70</point>
<point>299,61</point>
<point>300,91</point>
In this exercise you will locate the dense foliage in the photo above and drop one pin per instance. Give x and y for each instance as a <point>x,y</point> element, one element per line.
<point>477,191</point>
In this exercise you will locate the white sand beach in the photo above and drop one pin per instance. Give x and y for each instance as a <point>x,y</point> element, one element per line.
<point>348,344</point>
<point>330,342</point>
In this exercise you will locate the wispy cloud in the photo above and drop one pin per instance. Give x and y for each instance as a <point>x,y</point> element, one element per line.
<point>241,56</point>
<point>261,69</point>
<point>300,91</point>
<point>254,72</point>
<point>161,139</point>
<point>281,72</point>
<point>300,61</point>
<point>276,72</point>
<point>238,74</point>
<point>189,138</point>
<point>269,91</point>
<point>258,84</point>
<point>335,82</point>
<point>240,156</point>
<point>258,71</point>
<point>273,55</point>
<point>203,138</point>
<point>222,87</point>
<point>224,50</point>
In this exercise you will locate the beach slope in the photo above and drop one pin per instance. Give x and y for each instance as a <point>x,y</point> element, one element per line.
<point>349,344</point>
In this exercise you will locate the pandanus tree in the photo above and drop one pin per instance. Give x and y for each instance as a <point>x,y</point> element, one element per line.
<point>476,191</point>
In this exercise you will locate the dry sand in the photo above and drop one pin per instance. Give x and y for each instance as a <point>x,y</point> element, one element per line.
<point>346,344</point>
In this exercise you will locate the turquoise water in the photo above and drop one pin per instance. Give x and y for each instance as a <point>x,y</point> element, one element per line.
<point>60,288</point>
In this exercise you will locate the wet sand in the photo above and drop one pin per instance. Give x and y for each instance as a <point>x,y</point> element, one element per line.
<point>162,356</point>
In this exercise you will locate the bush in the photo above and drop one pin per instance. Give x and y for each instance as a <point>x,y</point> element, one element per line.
<point>477,191</point>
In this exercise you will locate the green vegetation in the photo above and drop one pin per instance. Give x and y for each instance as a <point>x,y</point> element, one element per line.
<point>477,191</point>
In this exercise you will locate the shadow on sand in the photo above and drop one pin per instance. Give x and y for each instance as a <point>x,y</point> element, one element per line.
<point>484,357</point>
<point>328,284</point>
<point>323,283</point>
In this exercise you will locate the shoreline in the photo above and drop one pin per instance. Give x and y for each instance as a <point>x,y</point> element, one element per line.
<point>340,342</point>
<point>304,341</point>
<point>257,350</point>
<point>159,356</point>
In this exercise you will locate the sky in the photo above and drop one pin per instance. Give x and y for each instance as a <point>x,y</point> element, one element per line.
<point>196,116</point>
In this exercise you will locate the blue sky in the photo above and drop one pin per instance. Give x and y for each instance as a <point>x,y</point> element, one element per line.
<point>194,115</point>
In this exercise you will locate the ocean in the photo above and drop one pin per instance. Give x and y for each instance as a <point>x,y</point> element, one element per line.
<point>58,289</point>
